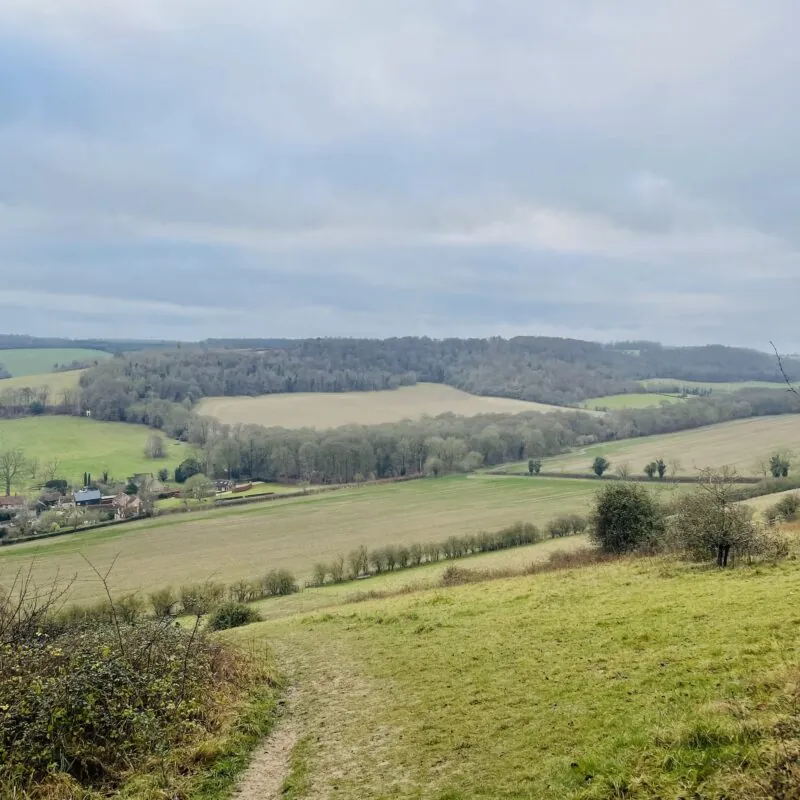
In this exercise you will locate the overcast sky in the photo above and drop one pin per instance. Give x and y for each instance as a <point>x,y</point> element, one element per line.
<point>605,169</point>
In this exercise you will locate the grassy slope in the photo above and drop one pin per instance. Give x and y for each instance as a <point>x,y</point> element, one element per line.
<point>640,679</point>
<point>56,382</point>
<point>34,362</point>
<point>326,410</point>
<point>85,445</point>
<point>742,443</point>
<point>243,543</point>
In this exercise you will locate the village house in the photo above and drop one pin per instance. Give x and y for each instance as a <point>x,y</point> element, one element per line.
<point>87,497</point>
<point>127,506</point>
<point>12,502</point>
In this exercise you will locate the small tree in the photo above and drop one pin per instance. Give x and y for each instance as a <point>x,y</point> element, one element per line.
<point>661,468</point>
<point>711,524</point>
<point>154,448</point>
<point>534,466</point>
<point>319,573</point>
<point>600,465</point>
<point>12,462</point>
<point>625,518</point>
<point>163,475</point>
<point>433,466</point>
<point>50,469</point>
<point>651,469</point>
<point>187,468</point>
<point>198,487</point>
<point>358,561</point>
<point>336,569</point>
<point>779,465</point>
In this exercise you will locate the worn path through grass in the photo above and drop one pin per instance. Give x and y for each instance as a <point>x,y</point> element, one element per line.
<point>640,679</point>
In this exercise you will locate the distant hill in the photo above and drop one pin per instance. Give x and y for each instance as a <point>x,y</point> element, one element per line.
<point>541,369</point>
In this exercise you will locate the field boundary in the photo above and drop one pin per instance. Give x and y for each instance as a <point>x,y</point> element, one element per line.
<point>750,480</point>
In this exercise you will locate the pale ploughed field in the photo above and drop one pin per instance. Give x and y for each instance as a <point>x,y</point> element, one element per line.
<point>332,409</point>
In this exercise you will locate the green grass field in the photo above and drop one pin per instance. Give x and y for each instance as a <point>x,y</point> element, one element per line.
<point>84,445</point>
<point>246,542</point>
<point>640,679</point>
<point>34,362</point>
<point>329,410</point>
<point>56,382</point>
<point>744,444</point>
<point>722,386</point>
<point>614,402</point>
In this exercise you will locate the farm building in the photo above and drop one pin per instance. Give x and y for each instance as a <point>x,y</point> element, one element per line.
<point>87,497</point>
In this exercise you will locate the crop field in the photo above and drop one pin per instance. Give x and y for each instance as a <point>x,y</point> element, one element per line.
<point>84,445</point>
<point>614,402</point>
<point>330,410</point>
<point>56,382</point>
<point>36,361</point>
<point>743,444</point>
<point>637,679</point>
<point>246,542</point>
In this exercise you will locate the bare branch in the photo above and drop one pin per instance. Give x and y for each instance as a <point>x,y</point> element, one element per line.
<point>104,580</point>
<point>789,385</point>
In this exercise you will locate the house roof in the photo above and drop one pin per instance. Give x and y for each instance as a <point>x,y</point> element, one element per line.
<point>86,495</point>
<point>10,500</point>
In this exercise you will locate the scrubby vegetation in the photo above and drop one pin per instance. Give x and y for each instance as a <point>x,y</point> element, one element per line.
<point>232,615</point>
<point>92,700</point>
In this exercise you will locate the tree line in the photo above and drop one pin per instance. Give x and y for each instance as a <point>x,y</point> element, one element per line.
<point>430,446</point>
<point>557,371</point>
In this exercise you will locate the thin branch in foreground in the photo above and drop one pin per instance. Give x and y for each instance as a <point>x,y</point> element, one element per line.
<point>789,385</point>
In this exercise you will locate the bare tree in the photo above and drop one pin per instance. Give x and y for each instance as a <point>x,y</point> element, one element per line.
<point>33,468</point>
<point>50,469</point>
<point>12,462</point>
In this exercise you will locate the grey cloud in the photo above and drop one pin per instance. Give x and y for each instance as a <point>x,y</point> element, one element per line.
<point>404,167</point>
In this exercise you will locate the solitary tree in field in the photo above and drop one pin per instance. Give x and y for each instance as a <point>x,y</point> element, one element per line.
<point>600,465</point>
<point>12,462</point>
<point>711,525</point>
<point>534,466</point>
<point>154,447</point>
<point>651,469</point>
<point>661,468</point>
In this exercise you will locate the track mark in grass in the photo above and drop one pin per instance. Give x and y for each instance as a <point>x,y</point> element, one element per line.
<point>272,765</point>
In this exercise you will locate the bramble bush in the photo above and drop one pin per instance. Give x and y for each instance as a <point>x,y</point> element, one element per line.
<point>88,698</point>
<point>232,615</point>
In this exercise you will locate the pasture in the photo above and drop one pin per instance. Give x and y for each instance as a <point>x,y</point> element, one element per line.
<point>638,679</point>
<point>331,410</point>
<point>85,445</point>
<point>615,402</point>
<point>715,386</point>
<point>744,444</point>
<point>246,542</point>
<point>56,382</point>
<point>36,361</point>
